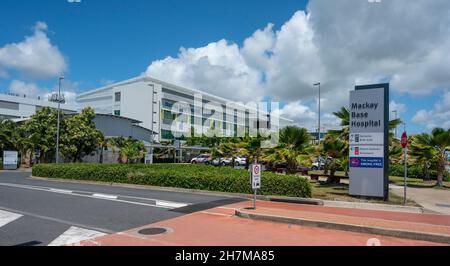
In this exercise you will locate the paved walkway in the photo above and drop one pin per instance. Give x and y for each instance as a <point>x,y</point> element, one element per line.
<point>219,226</point>
<point>435,200</point>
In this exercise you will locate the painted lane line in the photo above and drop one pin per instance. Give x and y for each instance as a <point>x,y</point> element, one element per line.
<point>75,235</point>
<point>104,196</point>
<point>24,213</point>
<point>63,191</point>
<point>166,205</point>
<point>170,204</point>
<point>7,217</point>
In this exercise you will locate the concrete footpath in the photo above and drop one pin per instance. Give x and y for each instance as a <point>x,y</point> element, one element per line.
<point>435,200</point>
<point>426,227</point>
<point>276,224</point>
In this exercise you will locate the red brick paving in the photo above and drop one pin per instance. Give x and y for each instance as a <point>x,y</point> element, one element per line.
<point>219,227</point>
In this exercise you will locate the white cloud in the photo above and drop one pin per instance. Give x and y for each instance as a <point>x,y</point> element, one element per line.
<point>302,114</point>
<point>399,107</point>
<point>35,57</point>
<point>218,68</point>
<point>28,89</point>
<point>33,90</point>
<point>439,116</point>
<point>397,41</point>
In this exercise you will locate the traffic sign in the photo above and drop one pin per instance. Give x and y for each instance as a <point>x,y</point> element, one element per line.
<point>404,140</point>
<point>256,176</point>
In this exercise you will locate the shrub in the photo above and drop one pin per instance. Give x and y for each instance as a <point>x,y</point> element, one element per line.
<point>201,177</point>
<point>414,171</point>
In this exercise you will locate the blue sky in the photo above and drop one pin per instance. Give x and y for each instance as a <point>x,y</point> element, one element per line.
<point>103,41</point>
<point>118,39</point>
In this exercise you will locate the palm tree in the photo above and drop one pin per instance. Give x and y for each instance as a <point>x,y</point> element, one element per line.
<point>337,149</point>
<point>294,147</point>
<point>433,146</point>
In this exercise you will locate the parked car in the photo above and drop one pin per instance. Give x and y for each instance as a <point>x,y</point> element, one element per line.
<point>319,165</point>
<point>222,161</point>
<point>202,158</point>
<point>240,161</point>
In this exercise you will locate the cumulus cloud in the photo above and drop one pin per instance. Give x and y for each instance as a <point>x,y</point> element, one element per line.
<point>395,41</point>
<point>399,107</point>
<point>35,57</point>
<point>33,90</point>
<point>26,89</point>
<point>439,116</point>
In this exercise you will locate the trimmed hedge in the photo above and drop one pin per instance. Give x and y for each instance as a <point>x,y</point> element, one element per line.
<point>201,177</point>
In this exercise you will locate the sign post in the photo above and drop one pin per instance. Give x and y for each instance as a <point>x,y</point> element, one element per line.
<point>404,142</point>
<point>369,143</point>
<point>256,181</point>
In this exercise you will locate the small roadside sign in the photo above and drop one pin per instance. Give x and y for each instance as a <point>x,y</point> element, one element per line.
<point>256,176</point>
<point>404,140</point>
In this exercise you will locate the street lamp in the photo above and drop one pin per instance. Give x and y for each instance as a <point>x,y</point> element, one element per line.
<point>395,130</point>
<point>57,128</point>
<point>318,137</point>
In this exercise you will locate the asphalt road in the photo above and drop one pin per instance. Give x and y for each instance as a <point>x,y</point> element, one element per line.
<point>41,213</point>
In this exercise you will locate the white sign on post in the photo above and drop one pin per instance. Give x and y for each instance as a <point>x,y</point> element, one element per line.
<point>256,176</point>
<point>10,159</point>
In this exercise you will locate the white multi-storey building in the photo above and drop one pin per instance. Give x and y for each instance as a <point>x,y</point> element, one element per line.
<point>13,106</point>
<point>173,107</point>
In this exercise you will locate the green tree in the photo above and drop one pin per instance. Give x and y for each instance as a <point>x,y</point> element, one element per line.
<point>40,132</point>
<point>79,135</point>
<point>294,147</point>
<point>131,150</point>
<point>433,146</point>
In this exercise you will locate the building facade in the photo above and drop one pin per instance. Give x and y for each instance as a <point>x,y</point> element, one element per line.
<point>173,111</point>
<point>13,106</point>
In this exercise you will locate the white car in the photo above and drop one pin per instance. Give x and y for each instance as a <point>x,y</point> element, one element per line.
<point>203,158</point>
<point>240,161</point>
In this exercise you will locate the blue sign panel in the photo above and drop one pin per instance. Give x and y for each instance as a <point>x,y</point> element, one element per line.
<point>366,162</point>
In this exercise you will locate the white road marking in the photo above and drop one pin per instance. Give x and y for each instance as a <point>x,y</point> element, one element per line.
<point>162,204</point>
<point>170,204</point>
<point>7,217</point>
<point>75,235</point>
<point>104,196</point>
<point>63,191</point>
<point>24,213</point>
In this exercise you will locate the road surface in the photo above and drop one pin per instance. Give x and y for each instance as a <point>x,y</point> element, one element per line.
<point>39,213</point>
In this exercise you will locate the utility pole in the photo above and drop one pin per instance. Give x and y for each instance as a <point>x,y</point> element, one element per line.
<point>318,136</point>
<point>395,130</point>
<point>58,124</point>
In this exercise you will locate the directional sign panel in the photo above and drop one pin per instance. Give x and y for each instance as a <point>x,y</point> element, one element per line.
<point>368,139</point>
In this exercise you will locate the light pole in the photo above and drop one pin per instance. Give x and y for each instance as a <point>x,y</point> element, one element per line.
<point>395,130</point>
<point>318,136</point>
<point>57,128</point>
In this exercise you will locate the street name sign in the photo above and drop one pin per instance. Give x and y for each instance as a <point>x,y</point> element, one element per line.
<point>368,139</point>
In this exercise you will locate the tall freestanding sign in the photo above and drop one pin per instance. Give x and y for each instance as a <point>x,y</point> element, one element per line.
<point>369,143</point>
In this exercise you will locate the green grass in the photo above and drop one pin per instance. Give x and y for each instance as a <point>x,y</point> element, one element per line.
<point>340,192</point>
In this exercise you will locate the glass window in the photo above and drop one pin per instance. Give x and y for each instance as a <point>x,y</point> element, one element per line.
<point>117,112</point>
<point>117,96</point>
